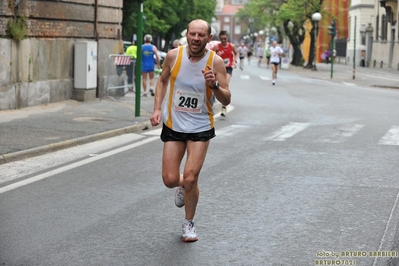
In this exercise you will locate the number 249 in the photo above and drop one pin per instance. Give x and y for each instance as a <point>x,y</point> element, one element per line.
<point>188,102</point>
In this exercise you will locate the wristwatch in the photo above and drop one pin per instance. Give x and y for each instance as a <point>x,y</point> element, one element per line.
<point>217,86</point>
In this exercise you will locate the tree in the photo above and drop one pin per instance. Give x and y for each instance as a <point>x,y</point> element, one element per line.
<point>288,16</point>
<point>298,12</point>
<point>165,18</point>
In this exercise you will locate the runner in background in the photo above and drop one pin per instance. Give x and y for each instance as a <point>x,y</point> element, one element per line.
<point>227,51</point>
<point>242,52</point>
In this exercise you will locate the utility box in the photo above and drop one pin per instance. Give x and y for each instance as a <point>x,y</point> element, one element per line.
<point>85,71</point>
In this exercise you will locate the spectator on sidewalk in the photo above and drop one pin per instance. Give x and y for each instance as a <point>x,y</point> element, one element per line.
<point>132,51</point>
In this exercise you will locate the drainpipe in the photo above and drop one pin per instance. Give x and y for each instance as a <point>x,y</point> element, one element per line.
<point>98,46</point>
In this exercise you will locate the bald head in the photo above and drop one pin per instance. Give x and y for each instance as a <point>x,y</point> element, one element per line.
<point>198,22</point>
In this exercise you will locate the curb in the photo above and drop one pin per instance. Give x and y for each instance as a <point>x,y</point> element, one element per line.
<point>15,156</point>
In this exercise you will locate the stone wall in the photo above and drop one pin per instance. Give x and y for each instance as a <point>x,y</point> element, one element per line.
<point>39,69</point>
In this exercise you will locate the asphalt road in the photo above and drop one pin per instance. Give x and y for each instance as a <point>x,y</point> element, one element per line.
<point>299,172</point>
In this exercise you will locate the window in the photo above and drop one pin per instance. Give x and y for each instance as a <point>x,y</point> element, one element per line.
<point>227,19</point>
<point>226,28</point>
<point>237,29</point>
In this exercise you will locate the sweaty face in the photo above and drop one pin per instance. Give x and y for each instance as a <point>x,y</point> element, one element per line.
<point>197,38</point>
<point>223,39</point>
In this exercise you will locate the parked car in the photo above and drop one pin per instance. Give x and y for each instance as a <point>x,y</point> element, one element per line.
<point>162,56</point>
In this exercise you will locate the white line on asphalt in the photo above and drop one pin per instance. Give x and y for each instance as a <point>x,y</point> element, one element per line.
<point>155,132</point>
<point>265,78</point>
<point>228,131</point>
<point>348,84</point>
<point>343,133</point>
<point>244,76</point>
<point>74,165</point>
<point>287,131</point>
<point>391,137</point>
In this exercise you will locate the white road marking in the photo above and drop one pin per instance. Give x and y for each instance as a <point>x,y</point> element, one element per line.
<point>287,131</point>
<point>391,137</point>
<point>154,132</point>
<point>30,166</point>
<point>74,165</point>
<point>265,78</point>
<point>244,76</point>
<point>229,130</point>
<point>343,134</point>
<point>348,84</point>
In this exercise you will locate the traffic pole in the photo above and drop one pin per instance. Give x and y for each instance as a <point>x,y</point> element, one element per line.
<point>139,59</point>
<point>332,53</point>
<point>354,52</point>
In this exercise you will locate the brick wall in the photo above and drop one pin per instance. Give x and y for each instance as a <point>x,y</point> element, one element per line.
<point>66,18</point>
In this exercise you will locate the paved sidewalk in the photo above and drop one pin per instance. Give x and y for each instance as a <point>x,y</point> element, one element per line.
<point>367,77</point>
<point>37,130</point>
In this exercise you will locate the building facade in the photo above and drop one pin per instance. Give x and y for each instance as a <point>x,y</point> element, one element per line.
<point>225,12</point>
<point>39,69</point>
<point>374,34</point>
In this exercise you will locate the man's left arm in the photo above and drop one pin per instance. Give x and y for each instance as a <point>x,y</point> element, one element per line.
<point>217,81</point>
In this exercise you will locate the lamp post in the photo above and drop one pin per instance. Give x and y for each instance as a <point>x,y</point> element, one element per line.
<point>273,37</point>
<point>316,18</point>
<point>363,43</point>
<point>261,32</point>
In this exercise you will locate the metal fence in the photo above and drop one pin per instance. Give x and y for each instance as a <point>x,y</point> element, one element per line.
<point>121,63</point>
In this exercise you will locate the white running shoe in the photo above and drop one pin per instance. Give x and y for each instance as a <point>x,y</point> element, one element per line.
<point>179,197</point>
<point>144,94</point>
<point>274,82</point>
<point>189,233</point>
<point>152,92</point>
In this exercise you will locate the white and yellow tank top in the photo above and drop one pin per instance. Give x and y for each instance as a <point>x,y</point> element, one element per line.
<point>188,104</point>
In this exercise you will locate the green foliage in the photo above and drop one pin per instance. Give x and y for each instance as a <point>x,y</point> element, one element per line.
<point>16,28</point>
<point>164,17</point>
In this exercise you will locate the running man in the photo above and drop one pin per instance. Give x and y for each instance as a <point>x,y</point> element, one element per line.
<point>242,52</point>
<point>147,66</point>
<point>227,51</point>
<point>259,54</point>
<point>195,74</point>
<point>275,53</point>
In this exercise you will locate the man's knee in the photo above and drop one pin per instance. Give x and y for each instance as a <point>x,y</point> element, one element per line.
<point>170,180</point>
<point>190,180</point>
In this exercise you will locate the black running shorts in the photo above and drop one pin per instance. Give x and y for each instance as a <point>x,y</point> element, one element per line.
<point>229,70</point>
<point>170,135</point>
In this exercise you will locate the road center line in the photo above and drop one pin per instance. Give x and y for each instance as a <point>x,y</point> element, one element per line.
<point>75,165</point>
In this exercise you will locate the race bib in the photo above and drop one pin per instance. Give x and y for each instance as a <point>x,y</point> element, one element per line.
<point>188,101</point>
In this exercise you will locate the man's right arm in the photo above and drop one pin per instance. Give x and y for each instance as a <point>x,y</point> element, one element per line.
<point>162,86</point>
